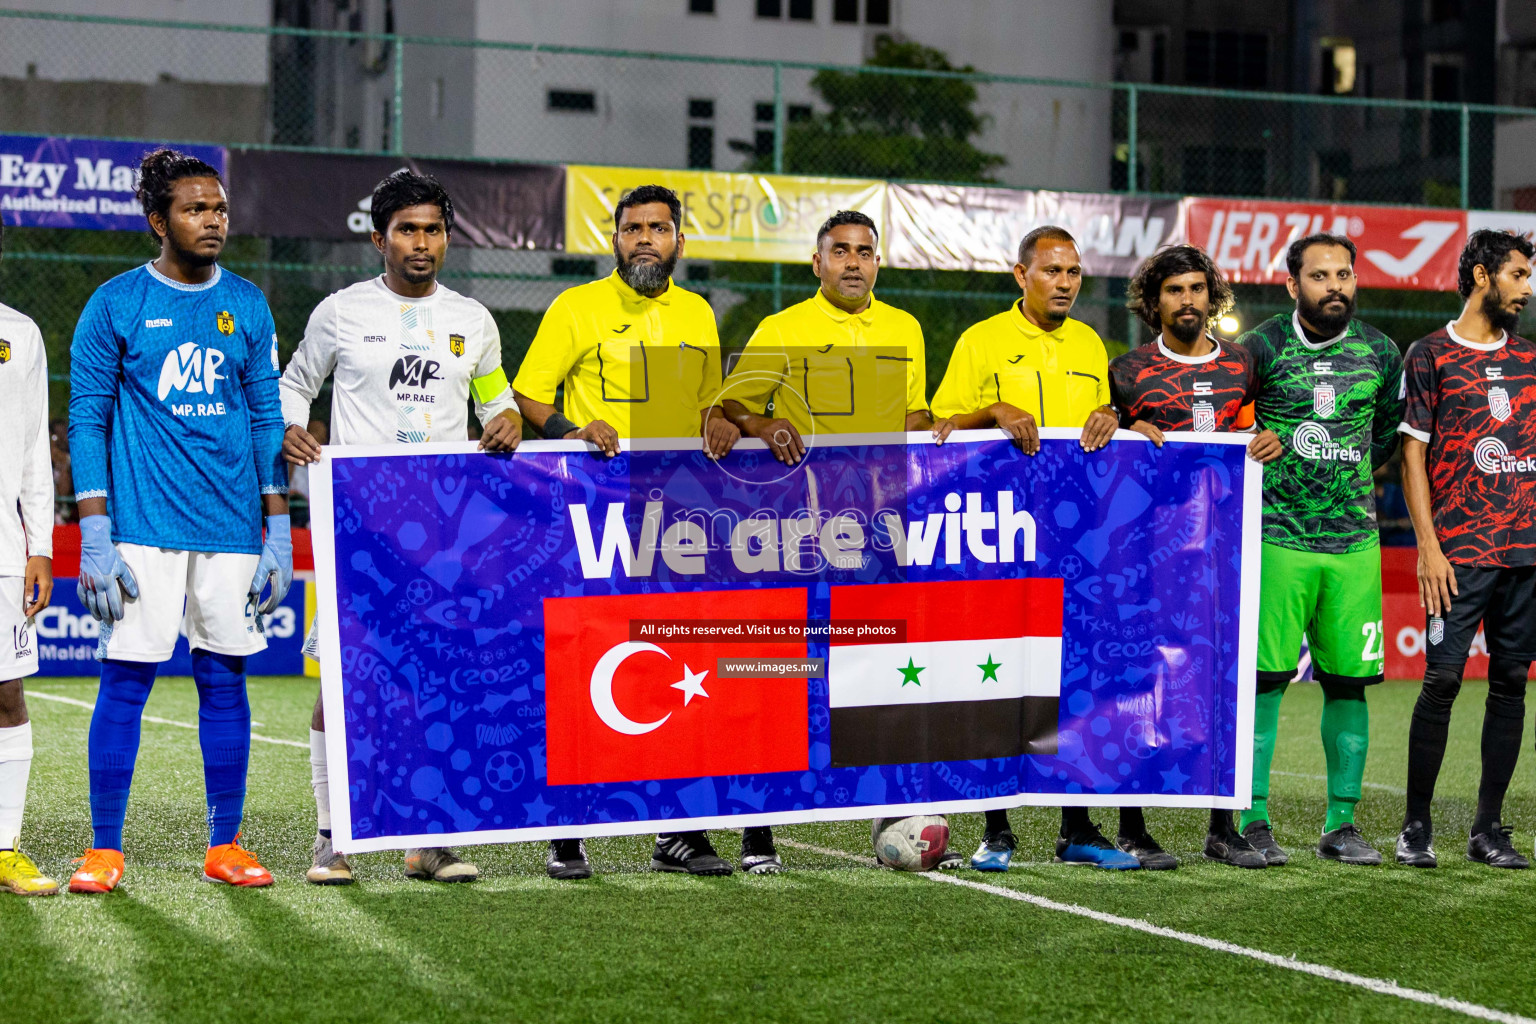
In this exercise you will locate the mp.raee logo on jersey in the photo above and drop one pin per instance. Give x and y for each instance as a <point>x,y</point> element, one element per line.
<point>192,369</point>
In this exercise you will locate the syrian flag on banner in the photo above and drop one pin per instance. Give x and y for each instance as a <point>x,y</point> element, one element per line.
<point>978,675</point>
<point>621,710</point>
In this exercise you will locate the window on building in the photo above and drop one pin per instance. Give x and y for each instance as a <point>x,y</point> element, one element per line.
<point>762,113</point>
<point>1338,66</point>
<point>1444,10</point>
<point>701,6</point>
<point>1229,60</point>
<point>1445,86</point>
<point>845,11</point>
<point>770,8</point>
<point>797,112</point>
<point>802,10</point>
<point>701,134</point>
<point>762,142</point>
<point>566,266</point>
<point>701,146</point>
<point>1223,171</point>
<point>877,12</point>
<point>571,101</point>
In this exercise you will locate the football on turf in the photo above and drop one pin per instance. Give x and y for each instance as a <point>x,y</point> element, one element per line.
<point>910,844</point>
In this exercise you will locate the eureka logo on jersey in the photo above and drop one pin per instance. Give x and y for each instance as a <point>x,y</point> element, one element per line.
<point>192,369</point>
<point>1492,456</point>
<point>1312,441</point>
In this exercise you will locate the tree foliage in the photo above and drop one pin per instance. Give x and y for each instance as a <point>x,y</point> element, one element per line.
<point>883,125</point>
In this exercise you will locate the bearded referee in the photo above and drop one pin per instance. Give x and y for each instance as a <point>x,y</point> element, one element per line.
<point>637,356</point>
<point>1469,438</point>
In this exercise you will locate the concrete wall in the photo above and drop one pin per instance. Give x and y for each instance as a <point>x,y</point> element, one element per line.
<point>1050,137</point>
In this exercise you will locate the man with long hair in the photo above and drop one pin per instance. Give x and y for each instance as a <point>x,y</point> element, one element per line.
<point>1185,379</point>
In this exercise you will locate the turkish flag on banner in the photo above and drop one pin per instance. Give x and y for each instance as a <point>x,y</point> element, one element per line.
<point>1399,246</point>
<point>620,710</point>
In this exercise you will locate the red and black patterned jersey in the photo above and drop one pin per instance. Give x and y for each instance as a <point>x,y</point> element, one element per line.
<point>1475,406</point>
<point>1174,392</point>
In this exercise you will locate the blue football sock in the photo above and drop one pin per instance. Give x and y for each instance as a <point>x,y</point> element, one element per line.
<point>224,731</point>
<point>114,745</point>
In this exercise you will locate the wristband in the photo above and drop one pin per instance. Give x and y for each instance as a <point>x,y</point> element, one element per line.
<point>557,426</point>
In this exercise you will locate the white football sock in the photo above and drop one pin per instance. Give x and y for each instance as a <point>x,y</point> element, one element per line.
<point>319,777</point>
<point>15,766</point>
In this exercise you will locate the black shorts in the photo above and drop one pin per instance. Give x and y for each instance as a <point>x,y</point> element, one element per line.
<point>1502,600</point>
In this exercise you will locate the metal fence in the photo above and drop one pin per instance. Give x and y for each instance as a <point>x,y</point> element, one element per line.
<point>356,92</point>
<point>396,94</point>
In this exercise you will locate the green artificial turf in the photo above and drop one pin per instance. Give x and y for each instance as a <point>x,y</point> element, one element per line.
<point>828,940</point>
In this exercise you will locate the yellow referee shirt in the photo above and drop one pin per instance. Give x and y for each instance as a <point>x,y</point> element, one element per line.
<point>645,366</point>
<point>1059,376</point>
<point>828,371</point>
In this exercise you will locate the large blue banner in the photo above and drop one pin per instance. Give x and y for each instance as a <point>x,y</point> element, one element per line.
<point>552,644</point>
<point>57,182</point>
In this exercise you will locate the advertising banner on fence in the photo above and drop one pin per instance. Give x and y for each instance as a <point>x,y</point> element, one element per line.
<point>969,227</point>
<point>66,637</point>
<point>552,644</point>
<point>1502,220</point>
<point>50,182</point>
<point>751,217</point>
<point>1400,246</point>
<point>328,196</point>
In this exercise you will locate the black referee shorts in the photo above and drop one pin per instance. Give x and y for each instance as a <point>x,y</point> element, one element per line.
<point>1502,600</point>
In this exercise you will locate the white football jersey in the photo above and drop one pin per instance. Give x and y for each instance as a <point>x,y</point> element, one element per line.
<point>404,368</point>
<point>26,465</point>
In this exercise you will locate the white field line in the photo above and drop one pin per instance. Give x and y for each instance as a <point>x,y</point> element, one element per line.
<point>87,705</point>
<point>1400,791</point>
<point>1377,985</point>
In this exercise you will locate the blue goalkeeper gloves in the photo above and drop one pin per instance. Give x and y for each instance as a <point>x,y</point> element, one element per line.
<point>275,567</point>
<point>104,577</point>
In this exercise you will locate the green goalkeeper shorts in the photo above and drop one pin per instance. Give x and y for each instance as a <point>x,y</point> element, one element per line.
<point>1335,600</point>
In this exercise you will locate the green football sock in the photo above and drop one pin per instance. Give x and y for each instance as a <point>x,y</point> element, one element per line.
<point>1266,722</point>
<point>1346,736</point>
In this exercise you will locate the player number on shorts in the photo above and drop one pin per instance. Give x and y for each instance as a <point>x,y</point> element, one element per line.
<point>1374,649</point>
<point>19,638</point>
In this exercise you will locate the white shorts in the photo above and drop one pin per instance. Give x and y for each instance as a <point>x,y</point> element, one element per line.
<point>18,638</point>
<point>203,594</point>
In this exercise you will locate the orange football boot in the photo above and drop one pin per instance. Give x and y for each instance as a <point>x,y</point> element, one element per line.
<point>234,864</point>
<point>99,871</point>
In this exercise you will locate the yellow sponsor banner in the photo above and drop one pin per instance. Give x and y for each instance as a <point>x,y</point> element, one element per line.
<point>311,668</point>
<point>726,216</point>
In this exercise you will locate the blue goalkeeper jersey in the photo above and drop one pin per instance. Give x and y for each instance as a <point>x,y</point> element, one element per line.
<point>174,411</point>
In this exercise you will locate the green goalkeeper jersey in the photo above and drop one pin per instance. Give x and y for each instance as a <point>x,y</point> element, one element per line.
<point>1336,407</point>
